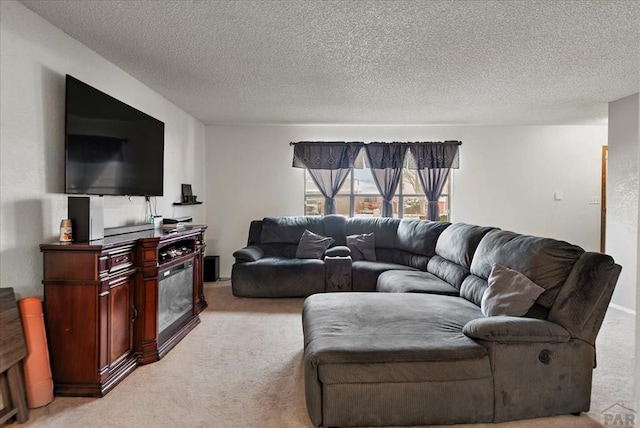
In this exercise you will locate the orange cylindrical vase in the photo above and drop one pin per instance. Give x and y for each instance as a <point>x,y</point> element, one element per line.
<point>37,371</point>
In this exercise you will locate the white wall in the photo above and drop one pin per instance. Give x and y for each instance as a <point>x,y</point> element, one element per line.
<point>34,58</point>
<point>637,355</point>
<point>507,177</point>
<point>622,196</point>
<point>623,210</point>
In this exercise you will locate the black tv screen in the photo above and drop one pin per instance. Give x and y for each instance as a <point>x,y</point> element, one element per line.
<point>111,148</point>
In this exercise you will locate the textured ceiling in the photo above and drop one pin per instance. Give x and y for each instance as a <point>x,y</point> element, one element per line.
<point>369,62</point>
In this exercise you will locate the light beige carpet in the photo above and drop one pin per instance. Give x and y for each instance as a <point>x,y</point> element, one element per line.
<point>242,367</point>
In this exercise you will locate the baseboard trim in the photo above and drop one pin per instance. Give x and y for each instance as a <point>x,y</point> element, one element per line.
<point>622,308</point>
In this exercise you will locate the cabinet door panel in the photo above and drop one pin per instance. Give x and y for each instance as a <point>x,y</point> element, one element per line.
<point>103,333</point>
<point>120,341</point>
<point>71,332</point>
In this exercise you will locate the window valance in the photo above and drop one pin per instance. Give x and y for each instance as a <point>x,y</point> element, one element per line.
<point>434,155</point>
<point>325,155</point>
<point>386,155</point>
<point>341,154</point>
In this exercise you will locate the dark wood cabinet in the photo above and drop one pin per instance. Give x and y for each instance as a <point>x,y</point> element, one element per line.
<point>200,301</point>
<point>101,303</point>
<point>88,292</point>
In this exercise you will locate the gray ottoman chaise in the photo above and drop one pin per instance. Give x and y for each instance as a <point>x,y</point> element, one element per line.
<point>488,326</point>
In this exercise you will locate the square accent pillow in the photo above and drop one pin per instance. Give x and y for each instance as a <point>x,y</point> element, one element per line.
<point>509,293</point>
<point>363,247</point>
<point>312,246</point>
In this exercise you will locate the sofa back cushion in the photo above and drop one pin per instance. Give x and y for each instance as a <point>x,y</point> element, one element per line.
<point>280,250</point>
<point>270,250</point>
<point>255,231</point>
<point>288,230</point>
<point>335,226</point>
<point>419,236</point>
<point>547,262</point>
<point>454,251</point>
<point>405,242</point>
<point>385,229</point>
<point>458,242</point>
<point>447,271</point>
<point>399,257</point>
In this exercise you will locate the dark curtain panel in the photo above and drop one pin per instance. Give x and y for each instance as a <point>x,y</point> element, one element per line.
<point>433,162</point>
<point>328,164</point>
<point>386,161</point>
<point>329,181</point>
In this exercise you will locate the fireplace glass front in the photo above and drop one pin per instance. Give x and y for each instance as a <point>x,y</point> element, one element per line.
<point>175,296</point>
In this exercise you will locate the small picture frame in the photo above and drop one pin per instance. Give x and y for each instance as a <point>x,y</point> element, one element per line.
<point>186,193</point>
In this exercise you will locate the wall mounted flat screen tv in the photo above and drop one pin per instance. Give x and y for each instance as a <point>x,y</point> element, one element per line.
<point>111,148</point>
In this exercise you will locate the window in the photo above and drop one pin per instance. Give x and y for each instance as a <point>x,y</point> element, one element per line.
<point>359,196</point>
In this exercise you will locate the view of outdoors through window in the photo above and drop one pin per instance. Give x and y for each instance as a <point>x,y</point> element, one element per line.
<point>359,197</point>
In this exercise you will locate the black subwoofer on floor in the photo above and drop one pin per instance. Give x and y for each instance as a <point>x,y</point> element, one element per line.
<point>211,268</point>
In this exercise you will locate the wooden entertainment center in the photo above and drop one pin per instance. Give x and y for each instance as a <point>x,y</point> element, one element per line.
<point>117,302</point>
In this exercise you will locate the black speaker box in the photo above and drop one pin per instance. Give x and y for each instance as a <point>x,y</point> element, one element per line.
<point>211,268</point>
<point>86,214</point>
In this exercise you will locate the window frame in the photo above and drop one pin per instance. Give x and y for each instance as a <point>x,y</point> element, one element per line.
<point>446,192</point>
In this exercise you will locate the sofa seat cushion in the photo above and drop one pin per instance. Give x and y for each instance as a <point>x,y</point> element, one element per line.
<point>398,328</point>
<point>402,281</point>
<point>364,273</point>
<point>278,277</point>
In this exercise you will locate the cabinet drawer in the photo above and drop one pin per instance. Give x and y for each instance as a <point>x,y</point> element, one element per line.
<point>121,260</point>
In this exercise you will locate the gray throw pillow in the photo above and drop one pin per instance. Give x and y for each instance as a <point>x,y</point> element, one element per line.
<point>509,293</point>
<point>312,246</point>
<point>363,247</point>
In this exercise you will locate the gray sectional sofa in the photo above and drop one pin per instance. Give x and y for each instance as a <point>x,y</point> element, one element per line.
<point>430,345</point>
<point>267,266</point>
